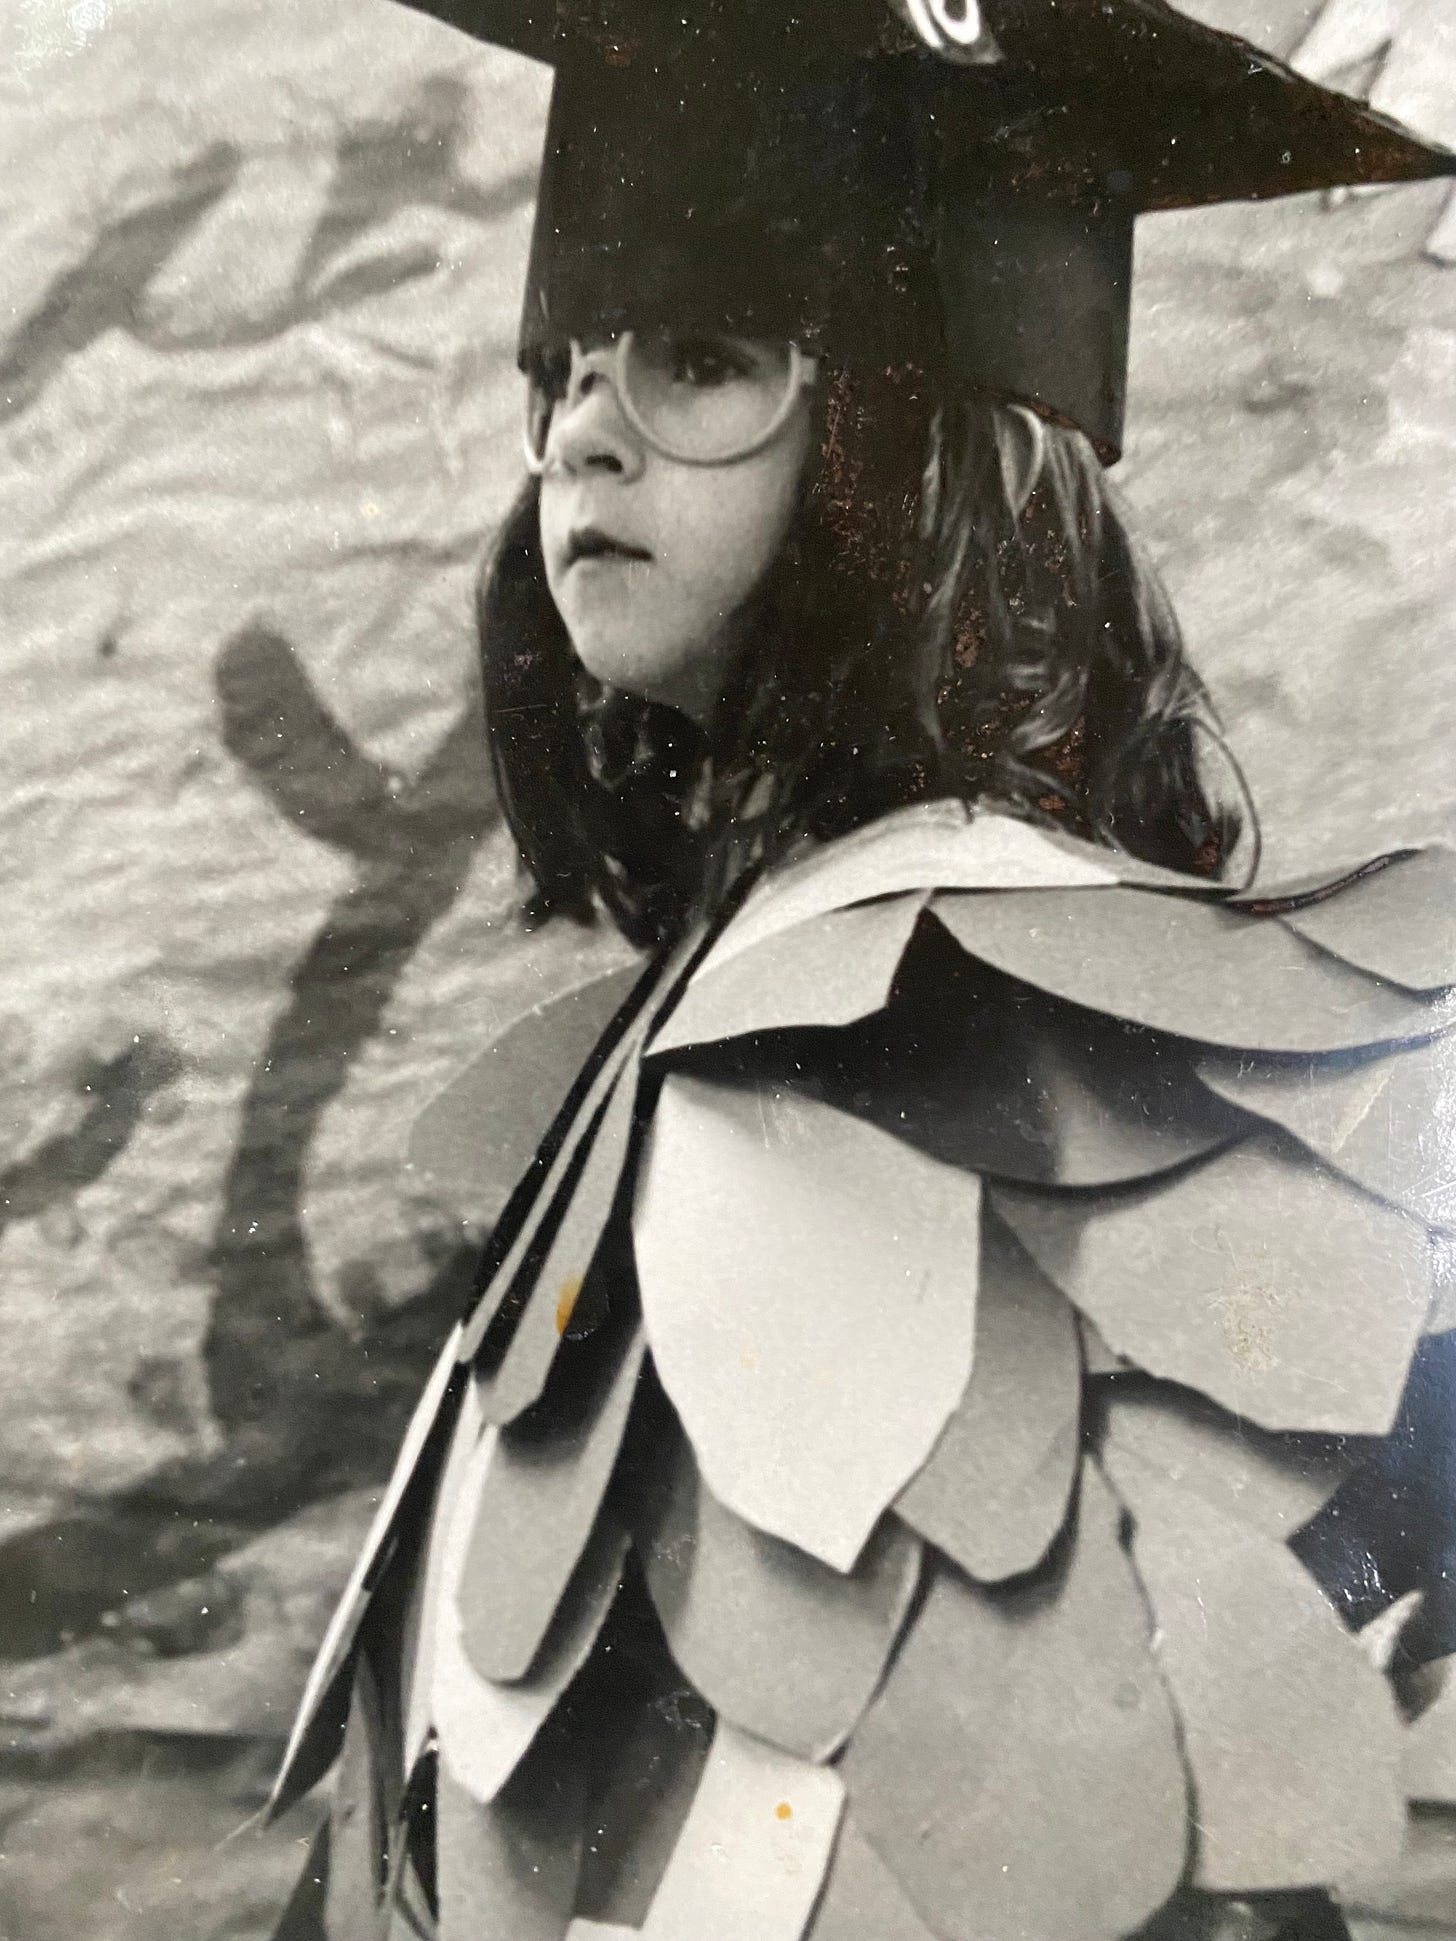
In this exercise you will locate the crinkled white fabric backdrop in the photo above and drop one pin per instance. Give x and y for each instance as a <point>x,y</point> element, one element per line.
<point>257,417</point>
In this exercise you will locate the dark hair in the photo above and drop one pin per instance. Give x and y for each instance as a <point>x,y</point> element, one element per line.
<point>919,636</point>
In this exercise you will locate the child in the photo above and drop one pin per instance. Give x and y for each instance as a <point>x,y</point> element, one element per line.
<point>913,1464</point>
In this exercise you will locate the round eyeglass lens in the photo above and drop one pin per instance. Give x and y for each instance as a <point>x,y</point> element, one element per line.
<point>707,399</point>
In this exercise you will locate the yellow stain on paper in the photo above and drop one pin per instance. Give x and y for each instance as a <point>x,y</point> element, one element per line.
<point>566,1302</point>
<point>783,1810</point>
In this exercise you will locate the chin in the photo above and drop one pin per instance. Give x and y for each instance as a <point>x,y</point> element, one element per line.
<point>630,665</point>
<point>615,663</point>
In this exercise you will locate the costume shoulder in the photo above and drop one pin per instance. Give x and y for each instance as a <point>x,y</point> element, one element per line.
<point>956,1300</point>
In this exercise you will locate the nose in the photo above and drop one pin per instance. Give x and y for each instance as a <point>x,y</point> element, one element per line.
<point>589,431</point>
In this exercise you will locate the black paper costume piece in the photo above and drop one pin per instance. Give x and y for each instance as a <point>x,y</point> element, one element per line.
<point>561,1277</point>
<point>977,1512</point>
<point>844,176</point>
<point>485,1727</point>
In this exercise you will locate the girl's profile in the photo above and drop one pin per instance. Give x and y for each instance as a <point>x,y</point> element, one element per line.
<point>923,1455</point>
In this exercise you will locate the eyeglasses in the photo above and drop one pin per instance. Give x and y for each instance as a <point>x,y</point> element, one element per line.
<point>699,399</point>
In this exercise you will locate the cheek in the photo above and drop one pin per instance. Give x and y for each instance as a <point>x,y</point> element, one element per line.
<point>728,527</point>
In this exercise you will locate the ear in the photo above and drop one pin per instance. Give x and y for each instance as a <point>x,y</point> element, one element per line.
<point>1021,446</point>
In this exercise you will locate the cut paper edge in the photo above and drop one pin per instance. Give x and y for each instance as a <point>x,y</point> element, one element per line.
<point>1275,1483</point>
<point>1380,1638</point>
<point>1441,1316</point>
<point>831,969</point>
<point>1414,1898</point>
<point>557,1283</point>
<point>476,1139</point>
<point>537,1505</point>
<point>779,1644</point>
<point>553,1197</point>
<point>485,1729</point>
<point>1197,970</point>
<point>548,1196</point>
<point>862,1900</point>
<point>1291,1736</point>
<point>982,1073</point>
<point>1396,923</point>
<point>1097,1357</point>
<point>998,1485</point>
<point>1304,1319</point>
<point>296,1772</point>
<point>924,846</point>
<point>808,1288</point>
<point>425,1610</point>
<point>506,1870</point>
<point>1019,1772</point>
<point>755,1848</point>
<point>1428,1767</point>
<point>1109,1136</point>
<point>1382,1122</point>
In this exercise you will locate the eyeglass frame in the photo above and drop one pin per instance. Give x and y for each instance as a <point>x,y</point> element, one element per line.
<point>803,375</point>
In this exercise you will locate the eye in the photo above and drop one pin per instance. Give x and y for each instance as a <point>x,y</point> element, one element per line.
<point>706,362</point>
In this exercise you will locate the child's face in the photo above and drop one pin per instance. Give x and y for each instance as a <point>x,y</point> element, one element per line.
<point>649,558</point>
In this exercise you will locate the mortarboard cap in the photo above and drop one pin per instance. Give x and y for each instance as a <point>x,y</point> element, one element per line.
<point>905,180</point>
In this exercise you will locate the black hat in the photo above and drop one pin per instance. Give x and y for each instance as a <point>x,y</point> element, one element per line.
<point>933,181</point>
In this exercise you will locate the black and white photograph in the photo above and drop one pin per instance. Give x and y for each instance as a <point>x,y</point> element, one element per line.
<point>728,970</point>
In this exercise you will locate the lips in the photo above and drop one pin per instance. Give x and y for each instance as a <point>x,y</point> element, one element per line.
<point>592,542</point>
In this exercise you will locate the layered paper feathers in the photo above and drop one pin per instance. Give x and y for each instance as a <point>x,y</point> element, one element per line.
<point>927,1322</point>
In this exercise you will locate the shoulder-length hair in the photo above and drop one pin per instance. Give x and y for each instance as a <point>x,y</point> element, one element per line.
<point>922,634</point>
